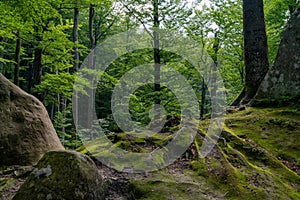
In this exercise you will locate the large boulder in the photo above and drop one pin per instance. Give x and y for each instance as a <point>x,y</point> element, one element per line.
<point>26,131</point>
<point>63,175</point>
<point>282,82</point>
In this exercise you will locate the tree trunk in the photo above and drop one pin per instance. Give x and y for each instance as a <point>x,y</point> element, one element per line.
<point>255,47</point>
<point>76,58</point>
<point>156,57</point>
<point>37,61</point>
<point>91,35</point>
<point>156,50</point>
<point>17,59</point>
<point>37,66</point>
<point>216,47</point>
<point>75,39</point>
<point>91,91</point>
<point>203,92</point>
<point>214,70</point>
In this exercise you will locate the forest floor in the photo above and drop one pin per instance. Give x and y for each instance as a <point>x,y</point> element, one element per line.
<point>257,157</point>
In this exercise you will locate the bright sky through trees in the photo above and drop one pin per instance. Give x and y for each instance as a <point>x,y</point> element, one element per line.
<point>197,4</point>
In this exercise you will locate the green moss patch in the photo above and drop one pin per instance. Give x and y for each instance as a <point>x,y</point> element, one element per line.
<point>256,157</point>
<point>277,130</point>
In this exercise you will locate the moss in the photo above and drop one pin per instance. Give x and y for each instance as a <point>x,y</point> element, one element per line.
<point>5,183</point>
<point>279,101</point>
<point>161,189</point>
<point>240,167</point>
<point>261,165</point>
<point>246,163</point>
<point>276,130</point>
<point>126,142</point>
<point>64,175</point>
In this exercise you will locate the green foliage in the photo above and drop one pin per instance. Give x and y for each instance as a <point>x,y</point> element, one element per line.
<point>172,14</point>
<point>62,123</point>
<point>141,101</point>
<point>219,28</point>
<point>55,84</point>
<point>48,25</point>
<point>59,123</point>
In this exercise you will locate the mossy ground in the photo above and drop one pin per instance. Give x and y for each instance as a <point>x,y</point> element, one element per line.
<point>257,157</point>
<point>11,178</point>
<point>275,129</point>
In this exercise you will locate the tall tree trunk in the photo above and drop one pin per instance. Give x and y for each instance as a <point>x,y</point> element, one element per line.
<point>156,50</point>
<point>75,39</point>
<point>76,59</point>
<point>255,47</point>
<point>216,47</point>
<point>91,35</point>
<point>157,61</point>
<point>37,61</point>
<point>214,70</point>
<point>17,59</point>
<point>203,92</point>
<point>91,91</point>
<point>37,66</point>
<point>30,72</point>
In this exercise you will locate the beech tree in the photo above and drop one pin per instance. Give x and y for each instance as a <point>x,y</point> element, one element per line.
<point>153,15</point>
<point>255,48</point>
<point>75,37</point>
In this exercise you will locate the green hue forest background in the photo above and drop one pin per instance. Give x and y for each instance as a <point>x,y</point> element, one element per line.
<point>44,42</point>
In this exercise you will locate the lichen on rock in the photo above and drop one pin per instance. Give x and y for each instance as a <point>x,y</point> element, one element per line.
<point>282,81</point>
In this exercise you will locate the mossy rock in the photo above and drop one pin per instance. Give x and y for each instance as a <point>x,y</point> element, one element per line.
<point>282,82</point>
<point>63,175</point>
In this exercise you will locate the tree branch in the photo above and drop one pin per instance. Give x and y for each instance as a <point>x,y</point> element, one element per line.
<point>141,21</point>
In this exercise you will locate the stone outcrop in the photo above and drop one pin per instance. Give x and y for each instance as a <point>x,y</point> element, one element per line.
<point>283,80</point>
<point>26,131</point>
<point>63,175</point>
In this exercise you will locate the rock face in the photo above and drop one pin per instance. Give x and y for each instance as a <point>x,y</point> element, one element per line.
<point>63,175</point>
<point>283,80</point>
<point>26,132</point>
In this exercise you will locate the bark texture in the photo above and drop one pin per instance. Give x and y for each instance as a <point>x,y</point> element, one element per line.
<point>255,47</point>
<point>17,59</point>
<point>75,38</point>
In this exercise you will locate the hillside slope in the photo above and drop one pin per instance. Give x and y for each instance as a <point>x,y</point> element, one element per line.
<point>257,157</point>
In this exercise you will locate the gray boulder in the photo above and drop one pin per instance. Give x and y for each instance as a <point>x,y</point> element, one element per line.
<point>26,131</point>
<point>282,82</point>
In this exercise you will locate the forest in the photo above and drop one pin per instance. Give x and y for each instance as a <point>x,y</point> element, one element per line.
<point>159,99</point>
